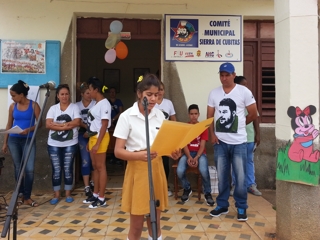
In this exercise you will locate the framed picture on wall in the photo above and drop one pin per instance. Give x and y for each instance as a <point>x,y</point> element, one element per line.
<point>137,72</point>
<point>111,78</point>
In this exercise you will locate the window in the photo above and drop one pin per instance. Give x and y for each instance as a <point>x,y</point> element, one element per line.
<point>268,100</point>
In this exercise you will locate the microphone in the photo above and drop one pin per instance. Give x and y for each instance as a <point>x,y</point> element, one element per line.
<point>50,84</point>
<point>145,102</point>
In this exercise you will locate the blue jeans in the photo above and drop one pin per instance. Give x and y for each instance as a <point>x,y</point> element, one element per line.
<point>86,165</point>
<point>250,178</point>
<point>62,159</point>
<point>18,147</point>
<point>225,157</point>
<point>203,168</point>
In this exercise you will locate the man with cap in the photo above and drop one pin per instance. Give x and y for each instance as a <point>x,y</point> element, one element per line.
<point>227,104</point>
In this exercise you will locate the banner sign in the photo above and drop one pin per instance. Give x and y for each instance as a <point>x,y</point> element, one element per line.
<point>212,38</point>
<point>20,56</point>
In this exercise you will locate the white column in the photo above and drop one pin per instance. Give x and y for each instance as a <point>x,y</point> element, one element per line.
<point>296,60</point>
<point>297,84</point>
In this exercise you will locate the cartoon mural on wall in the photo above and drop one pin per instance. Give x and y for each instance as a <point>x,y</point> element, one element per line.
<point>298,161</point>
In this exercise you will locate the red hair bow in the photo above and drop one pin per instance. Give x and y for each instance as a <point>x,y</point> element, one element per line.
<point>306,111</point>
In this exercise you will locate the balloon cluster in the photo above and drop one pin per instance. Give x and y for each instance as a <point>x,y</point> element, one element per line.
<point>116,48</point>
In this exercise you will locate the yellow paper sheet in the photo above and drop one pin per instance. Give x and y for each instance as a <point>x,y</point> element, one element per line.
<point>176,135</point>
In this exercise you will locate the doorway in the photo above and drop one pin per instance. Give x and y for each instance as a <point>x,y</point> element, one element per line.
<point>144,55</point>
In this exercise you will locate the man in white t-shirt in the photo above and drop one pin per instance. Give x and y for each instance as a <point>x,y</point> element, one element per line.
<point>228,104</point>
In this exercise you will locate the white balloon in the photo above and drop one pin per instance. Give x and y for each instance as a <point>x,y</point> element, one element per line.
<point>116,26</point>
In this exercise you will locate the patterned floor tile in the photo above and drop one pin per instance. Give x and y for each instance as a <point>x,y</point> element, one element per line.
<point>47,207</point>
<point>221,235</point>
<point>194,236</point>
<point>260,224</point>
<point>75,222</point>
<point>186,217</point>
<point>76,206</point>
<point>207,218</point>
<point>99,212</point>
<point>213,227</point>
<point>65,238</point>
<point>202,208</point>
<point>118,213</point>
<point>98,221</point>
<point>44,232</point>
<point>263,205</point>
<point>236,226</point>
<point>94,238</point>
<point>69,232</point>
<point>36,215</point>
<point>189,221</point>
<point>267,234</point>
<point>169,210</point>
<point>183,209</point>
<point>267,212</point>
<point>169,227</point>
<point>60,213</point>
<point>22,232</point>
<point>53,221</point>
<point>118,220</point>
<point>80,213</point>
<point>230,217</point>
<point>116,237</point>
<point>167,217</point>
<point>190,227</point>
<point>30,223</point>
<point>233,236</point>
<point>171,236</point>
<point>90,231</point>
<point>117,229</point>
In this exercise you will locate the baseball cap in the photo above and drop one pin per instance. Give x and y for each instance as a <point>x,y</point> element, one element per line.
<point>227,67</point>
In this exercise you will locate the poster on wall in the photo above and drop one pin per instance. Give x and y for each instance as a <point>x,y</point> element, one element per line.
<point>212,38</point>
<point>48,67</point>
<point>21,56</point>
<point>299,160</point>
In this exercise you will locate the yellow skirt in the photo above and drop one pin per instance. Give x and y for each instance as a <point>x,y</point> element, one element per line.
<point>135,193</point>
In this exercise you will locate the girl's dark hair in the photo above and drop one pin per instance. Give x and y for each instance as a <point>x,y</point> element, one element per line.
<point>239,79</point>
<point>148,81</point>
<point>95,83</point>
<point>58,89</point>
<point>20,87</point>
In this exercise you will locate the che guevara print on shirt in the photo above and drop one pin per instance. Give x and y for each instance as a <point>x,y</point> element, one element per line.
<point>65,135</point>
<point>228,119</point>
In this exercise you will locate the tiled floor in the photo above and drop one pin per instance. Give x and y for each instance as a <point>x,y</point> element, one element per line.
<point>190,220</point>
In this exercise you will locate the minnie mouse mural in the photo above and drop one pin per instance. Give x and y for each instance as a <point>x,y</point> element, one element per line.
<point>305,133</point>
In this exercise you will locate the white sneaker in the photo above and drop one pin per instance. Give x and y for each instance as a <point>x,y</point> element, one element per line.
<point>253,189</point>
<point>170,194</point>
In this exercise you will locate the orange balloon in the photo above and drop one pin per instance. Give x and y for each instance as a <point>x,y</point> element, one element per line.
<point>121,50</point>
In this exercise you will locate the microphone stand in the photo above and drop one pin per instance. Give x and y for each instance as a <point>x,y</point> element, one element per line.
<point>12,212</point>
<point>153,203</point>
